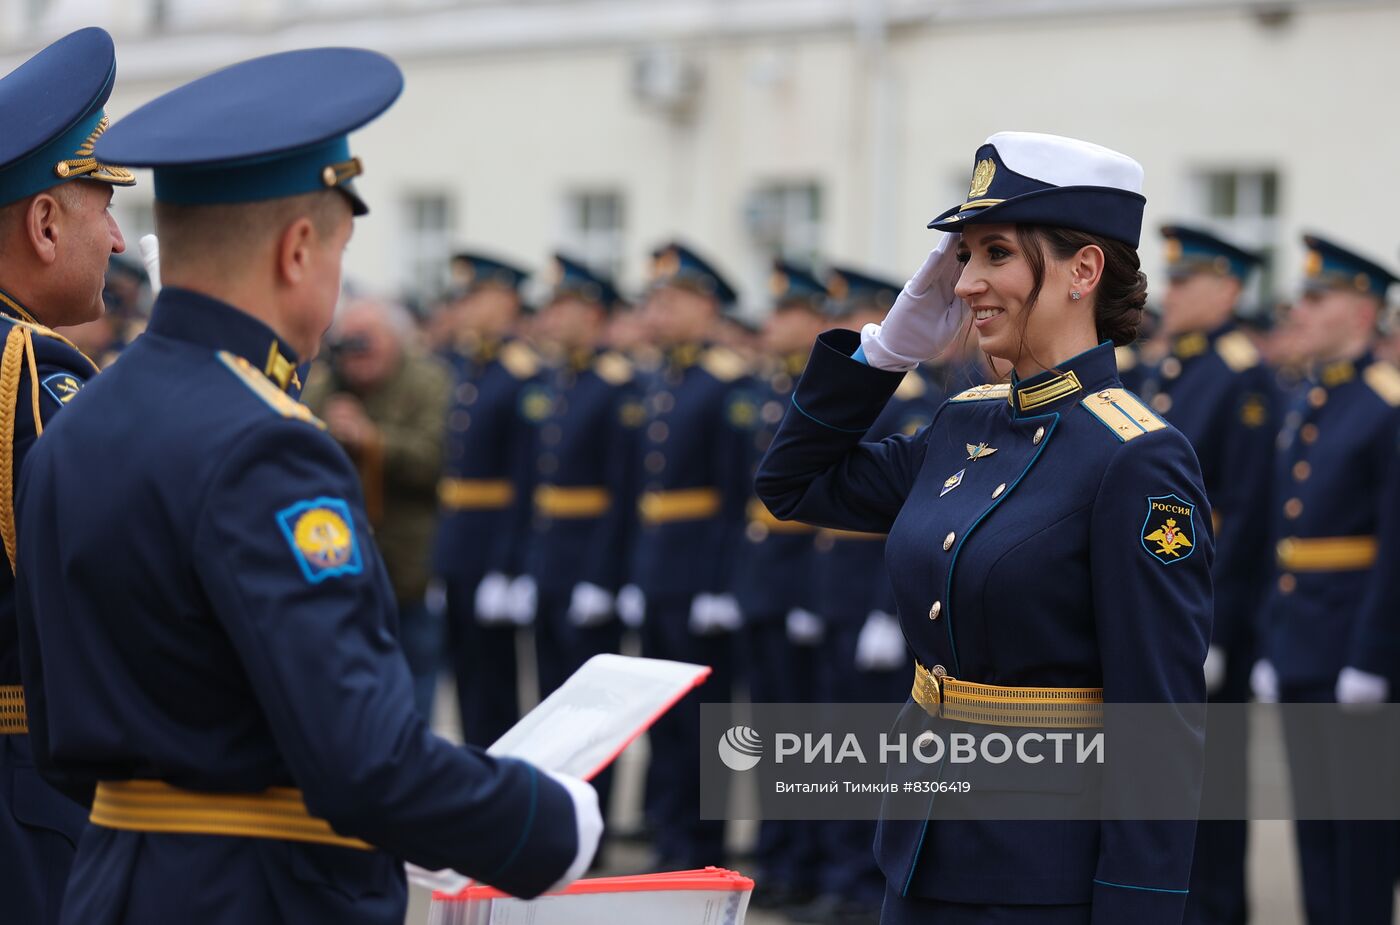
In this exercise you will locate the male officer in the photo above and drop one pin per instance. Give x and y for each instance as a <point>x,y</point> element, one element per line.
<point>695,487</point>
<point>585,499</point>
<point>782,632</point>
<point>484,495</point>
<point>1212,387</point>
<point>206,625</point>
<point>1336,450</point>
<point>864,658</point>
<point>56,237</point>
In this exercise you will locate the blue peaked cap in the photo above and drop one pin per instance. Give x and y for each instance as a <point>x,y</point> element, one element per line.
<point>267,128</point>
<point>791,283</point>
<point>851,289</point>
<point>1329,265</point>
<point>575,278</point>
<point>1194,250</point>
<point>677,264</point>
<point>471,269</point>
<point>51,113</point>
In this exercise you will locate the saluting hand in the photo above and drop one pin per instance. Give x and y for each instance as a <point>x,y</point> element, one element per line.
<point>925,317</point>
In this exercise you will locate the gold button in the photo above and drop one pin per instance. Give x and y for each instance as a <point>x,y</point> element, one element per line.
<point>62,168</point>
<point>1171,367</point>
<point>657,431</point>
<point>939,671</point>
<point>1039,436</point>
<point>551,433</point>
<point>459,420</point>
<point>328,176</point>
<point>655,461</point>
<point>996,492</point>
<point>466,393</point>
<point>825,542</point>
<point>1292,508</point>
<point>1161,403</point>
<point>548,464</point>
<point>1287,583</point>
<point>1308,433</point>
<point>1301,470</point>
<point>934,611</point>
<point>948,541</point>
<point>663,401</point>
<point>756,533</point>
<point>1317,396</point>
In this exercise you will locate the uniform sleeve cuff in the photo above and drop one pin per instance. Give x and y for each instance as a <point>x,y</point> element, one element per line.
<point>838,390</point>
<point>1116,903</point>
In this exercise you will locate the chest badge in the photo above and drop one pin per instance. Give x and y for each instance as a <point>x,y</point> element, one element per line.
<point>1169,532</point>
<point>952,481</point>
<point>979,450</point>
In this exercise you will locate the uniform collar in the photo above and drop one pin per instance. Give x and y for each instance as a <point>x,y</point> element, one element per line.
<point>11,306</point>
<point>183,314</point>
<point>1094,369</point>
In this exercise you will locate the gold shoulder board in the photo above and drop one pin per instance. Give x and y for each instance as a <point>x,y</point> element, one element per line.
<point>722,363</point>
<point>1122,412</point>
<point>613,368</point>
<point>1237,351</point>
<point>1384,380</point>
<point>911,387</point>
<point>1125,357</point>
<point>519,360</point>
<point>261,386</point>
<point>986,392</point>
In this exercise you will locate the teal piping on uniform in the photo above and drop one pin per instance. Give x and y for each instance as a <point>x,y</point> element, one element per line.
<point>529,823</point>
<point>1145,889</point>
<point>844,430</point>
<point>859,355</point>
<point>948,596</point>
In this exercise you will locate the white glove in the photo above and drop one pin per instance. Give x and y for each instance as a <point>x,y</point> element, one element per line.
<point>925,316</point>
<point>880,645</point>
<point>714,613</point>
<point>1357,686</point>
<point>493,599</point>
<point>150,255</point>
<point>804,628</point>
<point>1214,669</point>
<point>631,606</point>
<point>520,600</point>
<point>1263,680</point>
<point>588,825</point>
<point>590,605</point>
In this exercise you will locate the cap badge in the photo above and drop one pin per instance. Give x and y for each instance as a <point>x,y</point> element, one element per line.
<point>982,176</point>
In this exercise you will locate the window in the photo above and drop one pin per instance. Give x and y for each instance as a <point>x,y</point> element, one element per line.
<point>593,229</point>
<point>784,220</point>
<point>1243,206</point>
<point>429,224</point>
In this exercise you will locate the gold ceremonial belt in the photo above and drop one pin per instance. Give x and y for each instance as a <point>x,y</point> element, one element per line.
<point>851,535</point>
<point>13,720</point>
<point>1326,553</point>
<point>659,507</point>
<point>559,502</point>
<point>475,494</point>
<point>155,806</point>
<point>759,514</point>
<point>991,705</point>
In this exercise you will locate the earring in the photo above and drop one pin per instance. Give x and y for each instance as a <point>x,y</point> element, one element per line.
<point>1075,296</point>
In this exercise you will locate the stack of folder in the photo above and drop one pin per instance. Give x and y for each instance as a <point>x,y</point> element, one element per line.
<point>712,896</point>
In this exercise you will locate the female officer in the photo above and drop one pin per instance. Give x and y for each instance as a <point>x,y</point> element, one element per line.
<point>1048,537</point>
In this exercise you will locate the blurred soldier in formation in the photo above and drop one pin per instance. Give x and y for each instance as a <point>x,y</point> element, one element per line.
<point>585,500</point>
<point>125,297</point>
<point>863,658</point>
<point>695,485</point>
<point>484,495</point>
<point>56,240</point>
<point>1212,387</point>
<point>782,632</point>
<point>384,402</point>
<point>1319,641</point>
